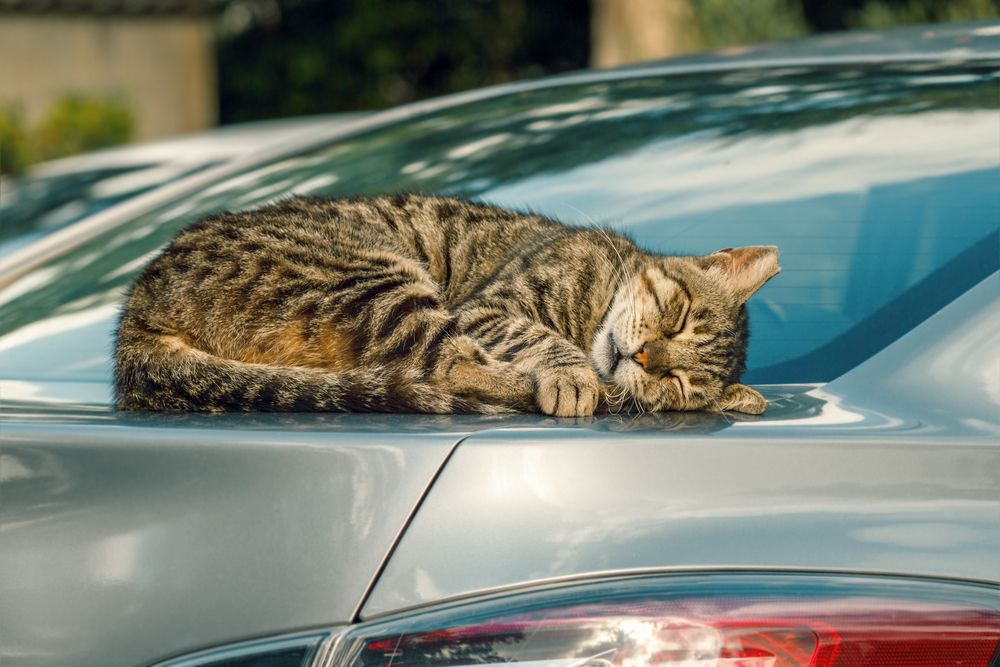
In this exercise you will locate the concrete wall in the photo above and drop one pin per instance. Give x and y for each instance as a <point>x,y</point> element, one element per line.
<point>163,66</point>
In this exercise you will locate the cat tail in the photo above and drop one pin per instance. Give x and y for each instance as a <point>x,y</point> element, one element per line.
<point>163,373</point>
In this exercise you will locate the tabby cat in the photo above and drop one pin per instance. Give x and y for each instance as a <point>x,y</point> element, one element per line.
<point>417,303</point>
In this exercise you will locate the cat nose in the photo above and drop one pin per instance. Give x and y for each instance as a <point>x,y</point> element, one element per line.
<point>642,356</point>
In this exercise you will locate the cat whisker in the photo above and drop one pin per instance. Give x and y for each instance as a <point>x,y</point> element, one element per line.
<point>616,399</point>
<point>618,274</point>
<point>629,295</point>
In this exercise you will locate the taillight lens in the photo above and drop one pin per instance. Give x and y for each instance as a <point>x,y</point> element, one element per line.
<point>699,621</point>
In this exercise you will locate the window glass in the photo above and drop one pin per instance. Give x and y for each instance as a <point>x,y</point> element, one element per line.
<point>35,206</point>
<point>879,184</point>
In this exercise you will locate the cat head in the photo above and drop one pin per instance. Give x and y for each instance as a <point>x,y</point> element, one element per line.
<point>675,335</point>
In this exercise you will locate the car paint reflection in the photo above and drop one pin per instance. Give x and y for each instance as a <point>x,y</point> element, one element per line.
<point>126,534</point>
<point>62,403</point>
<point>654,502</point>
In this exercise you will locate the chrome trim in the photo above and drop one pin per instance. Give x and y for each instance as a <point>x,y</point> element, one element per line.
<point>631,573</point>
<point>327,651</point>
<point>313,641</point>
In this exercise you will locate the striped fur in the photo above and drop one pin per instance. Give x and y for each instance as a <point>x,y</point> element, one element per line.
<point>415,303</point>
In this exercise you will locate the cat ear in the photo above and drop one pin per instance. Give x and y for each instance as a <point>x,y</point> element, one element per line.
<point>744,270</point>
<point>741,398</point>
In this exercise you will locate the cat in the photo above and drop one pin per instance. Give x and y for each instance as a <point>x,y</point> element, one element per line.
<point>417,303</point>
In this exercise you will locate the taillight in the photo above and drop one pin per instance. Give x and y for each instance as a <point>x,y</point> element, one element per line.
<point>719,620</point>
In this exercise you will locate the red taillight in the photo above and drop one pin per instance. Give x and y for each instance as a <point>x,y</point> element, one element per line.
<point>706,621</point>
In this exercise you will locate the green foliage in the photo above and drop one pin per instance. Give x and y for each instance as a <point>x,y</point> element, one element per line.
<point>315,56</point>
<point>80,123</point>
<point>731,22</point>
<point>15,152</point>
<point>723,23</point>
<point>75,124</point>
<point>339,55</point>
<point>885,14</point>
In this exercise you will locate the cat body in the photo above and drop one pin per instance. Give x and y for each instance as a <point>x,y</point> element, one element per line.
<point>413,303</point>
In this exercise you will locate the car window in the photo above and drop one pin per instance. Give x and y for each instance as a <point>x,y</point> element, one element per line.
<point>878,183</point>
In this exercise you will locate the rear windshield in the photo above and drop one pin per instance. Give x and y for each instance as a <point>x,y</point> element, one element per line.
<point>879,184</point>
<point>36,206</point>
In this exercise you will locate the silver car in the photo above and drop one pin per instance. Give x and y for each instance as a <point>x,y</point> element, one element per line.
<point>856,522</point>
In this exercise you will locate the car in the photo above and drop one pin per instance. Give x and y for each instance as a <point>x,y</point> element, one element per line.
<point>57,193</point>
<point>855,522</point>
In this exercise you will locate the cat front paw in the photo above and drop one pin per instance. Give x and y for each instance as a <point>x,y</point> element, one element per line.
<point>567,392</point>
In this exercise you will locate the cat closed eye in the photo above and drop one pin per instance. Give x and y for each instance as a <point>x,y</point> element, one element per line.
<point>682,320</point>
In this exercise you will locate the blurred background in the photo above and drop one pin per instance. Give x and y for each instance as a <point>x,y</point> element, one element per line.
<point>79,75</point>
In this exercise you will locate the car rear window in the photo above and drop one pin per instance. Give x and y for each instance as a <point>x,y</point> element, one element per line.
<point>878,183</point>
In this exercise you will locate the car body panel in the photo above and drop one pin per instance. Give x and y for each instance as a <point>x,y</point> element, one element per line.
<point>134,536</point>
<point>658,500</point>
<point>827,479</point>
<point>945,373</point>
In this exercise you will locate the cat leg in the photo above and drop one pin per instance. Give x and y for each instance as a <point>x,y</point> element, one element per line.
<point>393,319</point>
<point>564,383</point>
<point>465,369</point>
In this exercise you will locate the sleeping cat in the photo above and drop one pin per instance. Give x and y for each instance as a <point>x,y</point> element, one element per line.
<point>417,303</point>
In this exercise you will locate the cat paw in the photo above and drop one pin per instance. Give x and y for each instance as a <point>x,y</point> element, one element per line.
<point>567,392</point>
